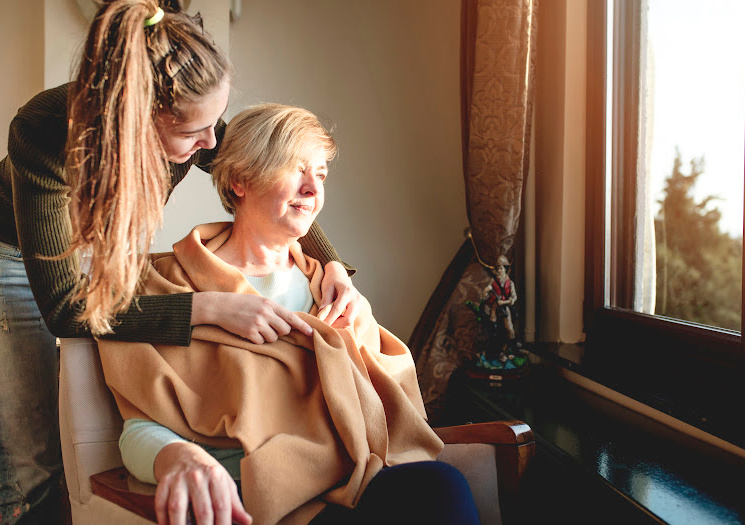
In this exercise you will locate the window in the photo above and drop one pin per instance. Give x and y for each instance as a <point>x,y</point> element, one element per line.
<point>665,154</point>
<point>695,83</point>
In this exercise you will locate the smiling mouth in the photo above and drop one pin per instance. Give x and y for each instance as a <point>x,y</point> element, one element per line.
<point>303,208</point>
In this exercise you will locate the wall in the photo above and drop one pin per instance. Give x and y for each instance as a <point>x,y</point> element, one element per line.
<point>560,170</point>
<point>573,216</point>
<point>22,42</point>
<point>64,34</point>
<point>386,74</point>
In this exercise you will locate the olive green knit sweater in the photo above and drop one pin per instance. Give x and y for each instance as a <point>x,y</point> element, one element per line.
<point>34,217</point>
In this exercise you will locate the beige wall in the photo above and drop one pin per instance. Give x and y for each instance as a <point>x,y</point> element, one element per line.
<point>21,58</point>
<point>560,170</point>
<point>64,35</point>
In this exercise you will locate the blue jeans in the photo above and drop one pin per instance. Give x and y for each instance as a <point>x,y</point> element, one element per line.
<point>30,455</point>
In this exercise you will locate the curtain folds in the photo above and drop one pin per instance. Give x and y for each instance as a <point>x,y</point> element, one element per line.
<point>498,42</point>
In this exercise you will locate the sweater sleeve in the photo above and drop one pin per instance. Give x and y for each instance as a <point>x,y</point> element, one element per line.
<point>36,149</point>
<point>140,443</point>
<point>317,245</point>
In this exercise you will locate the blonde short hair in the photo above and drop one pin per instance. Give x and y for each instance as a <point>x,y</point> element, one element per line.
<point>259,142</point>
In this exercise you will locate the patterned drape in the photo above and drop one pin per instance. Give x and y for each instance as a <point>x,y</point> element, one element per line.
<point>498,42</point>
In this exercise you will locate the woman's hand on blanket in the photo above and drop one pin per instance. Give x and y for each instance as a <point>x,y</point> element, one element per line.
<point>340,300</point>
<point>256,318</point>
<point>189,477</point>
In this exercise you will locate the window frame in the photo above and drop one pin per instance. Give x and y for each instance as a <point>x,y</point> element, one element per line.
<point>706,356</point>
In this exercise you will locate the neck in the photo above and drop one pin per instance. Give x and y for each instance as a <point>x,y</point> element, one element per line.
<point>255,254</point>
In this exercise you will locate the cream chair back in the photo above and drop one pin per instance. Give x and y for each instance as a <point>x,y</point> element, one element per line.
<point>90,426</point>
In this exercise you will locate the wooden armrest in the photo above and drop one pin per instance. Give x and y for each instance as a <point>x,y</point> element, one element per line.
<point>120,487</point>
<point>514,438</point>
<point>511,432</point>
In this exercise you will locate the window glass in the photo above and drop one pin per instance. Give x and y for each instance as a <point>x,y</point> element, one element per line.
<point>690,142</point>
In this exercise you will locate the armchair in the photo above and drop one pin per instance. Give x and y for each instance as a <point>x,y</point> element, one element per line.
<point>492,456</point>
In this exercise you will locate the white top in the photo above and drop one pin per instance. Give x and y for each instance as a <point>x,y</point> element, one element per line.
<point>290,288</point>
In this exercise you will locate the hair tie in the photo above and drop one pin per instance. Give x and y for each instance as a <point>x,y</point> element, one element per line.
<point>157,17</point>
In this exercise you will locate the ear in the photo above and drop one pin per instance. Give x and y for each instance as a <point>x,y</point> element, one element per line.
<point>238,188</point>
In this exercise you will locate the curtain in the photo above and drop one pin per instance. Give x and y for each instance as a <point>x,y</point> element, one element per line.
<point>498,42</point>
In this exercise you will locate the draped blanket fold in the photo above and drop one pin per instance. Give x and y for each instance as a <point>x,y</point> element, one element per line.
<point>317,416</point>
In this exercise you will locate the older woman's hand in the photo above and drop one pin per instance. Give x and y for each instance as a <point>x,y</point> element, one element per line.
<point>256,318</point>
<point>187,475</point>
<point>338,292</point>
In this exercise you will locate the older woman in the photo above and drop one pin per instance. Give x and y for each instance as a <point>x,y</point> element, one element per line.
<point>329,427</point>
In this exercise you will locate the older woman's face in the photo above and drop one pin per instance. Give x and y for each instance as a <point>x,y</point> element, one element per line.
<point>289,207</point>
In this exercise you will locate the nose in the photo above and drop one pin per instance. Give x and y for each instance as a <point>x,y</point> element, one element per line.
<point>208,139</point>
<point>311,183</point>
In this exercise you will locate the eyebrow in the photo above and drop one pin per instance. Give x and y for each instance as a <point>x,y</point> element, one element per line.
<point>305,162</point>
<point>192,132</point>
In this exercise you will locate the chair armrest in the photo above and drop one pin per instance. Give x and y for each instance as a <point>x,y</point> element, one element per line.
<point>515,442</point>
<point>120,487</point>
<point>511,432</point>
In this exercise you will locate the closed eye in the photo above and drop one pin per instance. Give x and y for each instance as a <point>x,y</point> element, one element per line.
<point>195,132</point>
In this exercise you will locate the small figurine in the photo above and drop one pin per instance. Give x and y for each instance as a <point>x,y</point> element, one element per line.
<point>500,298</point>
<point>496,311</point>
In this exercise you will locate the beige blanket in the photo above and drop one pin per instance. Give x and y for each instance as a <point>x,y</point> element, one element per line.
<point>317,416</point>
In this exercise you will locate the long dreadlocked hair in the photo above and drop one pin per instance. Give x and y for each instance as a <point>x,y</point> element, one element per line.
<point>117,167</point>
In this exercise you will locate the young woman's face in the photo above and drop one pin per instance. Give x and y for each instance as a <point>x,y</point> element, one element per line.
<point>195,129</point>
<point>287,209</point>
